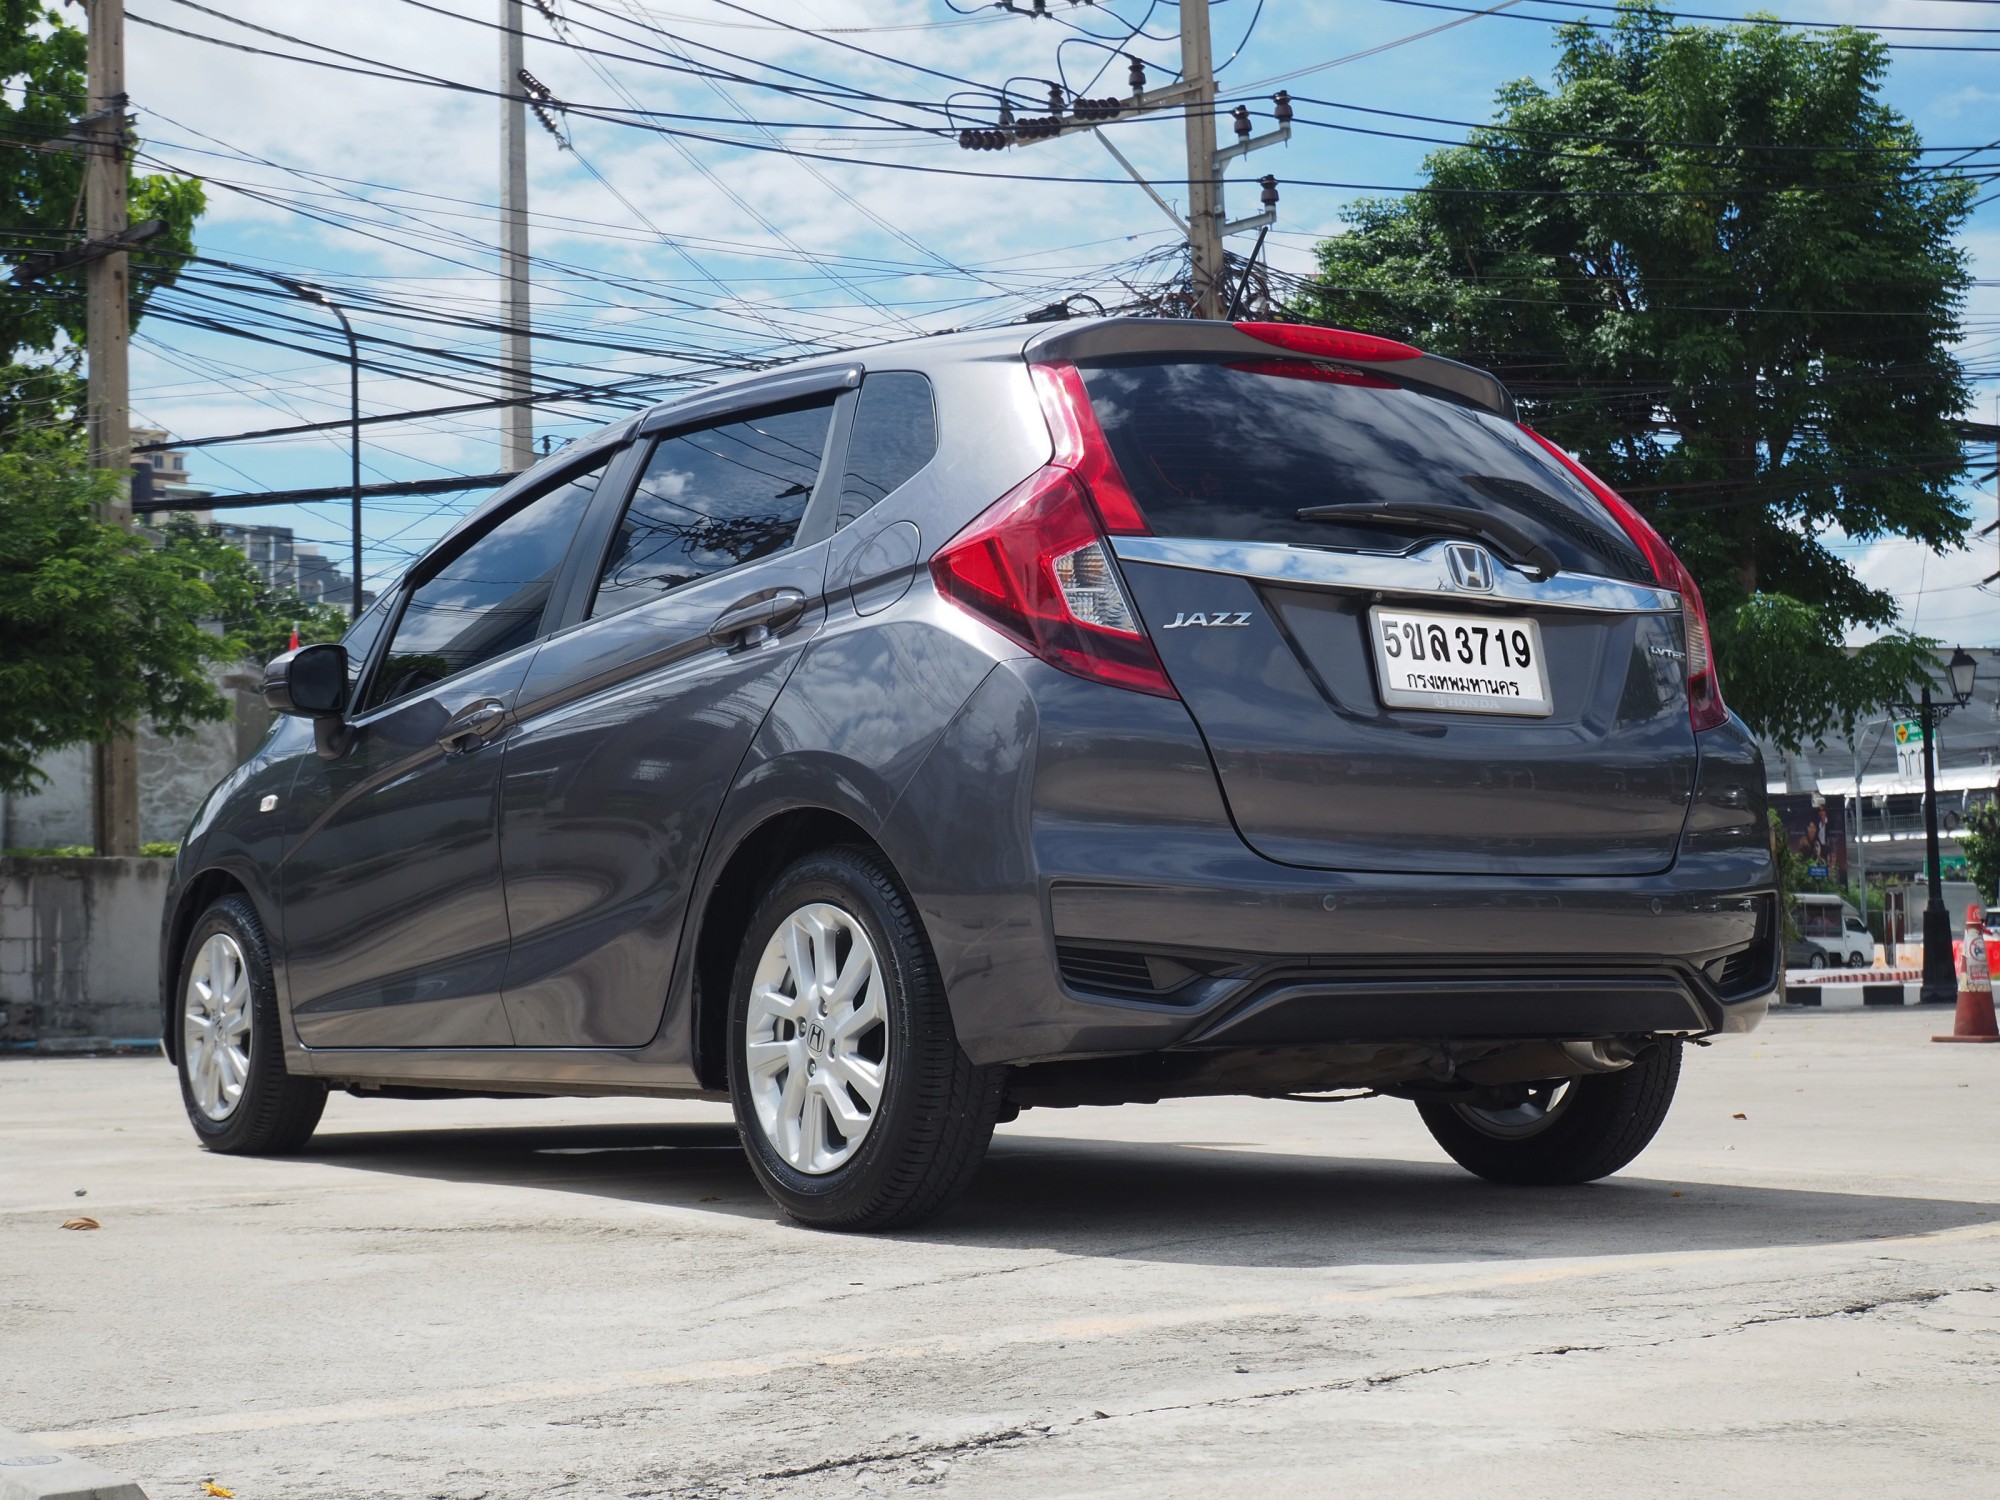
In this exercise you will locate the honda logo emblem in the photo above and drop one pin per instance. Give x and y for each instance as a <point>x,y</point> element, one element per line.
<point>1471,567</point>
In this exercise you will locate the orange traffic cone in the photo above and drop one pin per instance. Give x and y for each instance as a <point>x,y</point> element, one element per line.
<point>1974,1021</point>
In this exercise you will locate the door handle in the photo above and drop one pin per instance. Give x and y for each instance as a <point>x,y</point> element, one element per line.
<point>753,621</point>
<point>473,727</point>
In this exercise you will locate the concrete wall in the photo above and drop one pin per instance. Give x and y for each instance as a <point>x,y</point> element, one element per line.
<point>174,775</point>
<point>79,950</point>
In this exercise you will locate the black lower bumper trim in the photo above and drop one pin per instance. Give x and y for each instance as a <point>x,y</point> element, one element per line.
<point>1354,1009</point>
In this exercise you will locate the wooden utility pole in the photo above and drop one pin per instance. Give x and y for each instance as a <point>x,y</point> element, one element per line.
<point>1204,220</point>
<point>517,421</point>
<point>108,414</point>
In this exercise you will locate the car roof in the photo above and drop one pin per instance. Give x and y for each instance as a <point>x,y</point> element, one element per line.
<point>1069,338</point>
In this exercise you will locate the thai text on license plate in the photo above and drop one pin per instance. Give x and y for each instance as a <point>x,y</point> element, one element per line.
<point>1482,664</point>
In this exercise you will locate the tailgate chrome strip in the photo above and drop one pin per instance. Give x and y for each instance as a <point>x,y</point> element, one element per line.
<point>1422,573</point>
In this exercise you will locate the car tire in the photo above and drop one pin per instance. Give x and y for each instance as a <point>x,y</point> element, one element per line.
<point>1857,960</point>
<point>1587,1128</point>
<point>231,1053</point>
<point>805,1056</point>
<point>1817,961</point>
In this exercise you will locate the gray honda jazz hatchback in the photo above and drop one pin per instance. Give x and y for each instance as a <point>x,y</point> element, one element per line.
<point>1087,713</point>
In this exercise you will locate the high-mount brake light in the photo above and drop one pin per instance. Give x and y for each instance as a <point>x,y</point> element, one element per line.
<point>1706,709</point>
<point>1035,565</point>
<point>1329,343</point>
<point>1305,369</point>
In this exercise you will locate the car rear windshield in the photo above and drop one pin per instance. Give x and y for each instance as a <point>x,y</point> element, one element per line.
<point>1234,449</point>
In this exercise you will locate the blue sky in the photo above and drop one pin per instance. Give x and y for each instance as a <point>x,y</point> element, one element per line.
<point>383,190</point>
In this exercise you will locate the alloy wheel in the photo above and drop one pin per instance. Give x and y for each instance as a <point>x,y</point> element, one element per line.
<point>816,1038</point>
<point>215,1026</point>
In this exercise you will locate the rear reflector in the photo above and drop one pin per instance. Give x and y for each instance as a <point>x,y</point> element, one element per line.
<point>1706,709</point>
<point>1329,343</point>
<point>1034,566</point>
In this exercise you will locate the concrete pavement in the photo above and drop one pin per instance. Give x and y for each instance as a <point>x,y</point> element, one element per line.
<point>514,1298</point>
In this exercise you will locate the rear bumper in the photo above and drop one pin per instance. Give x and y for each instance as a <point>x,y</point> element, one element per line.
<point>1094,899</point>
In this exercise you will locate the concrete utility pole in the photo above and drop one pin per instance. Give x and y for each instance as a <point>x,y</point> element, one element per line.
<point>517,422</point>
<point>107,332</point>
<point>1204,221</point>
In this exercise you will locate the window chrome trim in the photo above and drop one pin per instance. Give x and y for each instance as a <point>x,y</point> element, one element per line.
<point>1424,573</point>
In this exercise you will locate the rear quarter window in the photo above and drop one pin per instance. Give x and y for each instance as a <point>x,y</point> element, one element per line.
<point>1232,450</point>
<point>894,435</point>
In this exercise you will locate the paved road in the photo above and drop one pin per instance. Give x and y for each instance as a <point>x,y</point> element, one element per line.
<point>486,1298</point>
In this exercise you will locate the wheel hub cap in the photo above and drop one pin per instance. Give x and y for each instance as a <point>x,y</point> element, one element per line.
<point>215,1027</point>
<point>816,1041</point>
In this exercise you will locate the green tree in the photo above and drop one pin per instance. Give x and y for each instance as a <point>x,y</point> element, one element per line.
<point>104,625</point>
<point>41,191</point>
<point>1713,263</point>
<point>1980,839</point>
<point>252,613</point>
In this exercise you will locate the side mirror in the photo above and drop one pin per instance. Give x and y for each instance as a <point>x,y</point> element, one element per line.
<point>310,682</point>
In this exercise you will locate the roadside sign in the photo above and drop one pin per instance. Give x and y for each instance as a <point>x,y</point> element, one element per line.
<point>1909,748</point>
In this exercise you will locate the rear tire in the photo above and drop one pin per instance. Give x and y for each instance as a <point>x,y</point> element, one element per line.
<point>230,1052</point>
<point>1817,961</point>
<point>1569,1130</point>
<point>868,1018</point>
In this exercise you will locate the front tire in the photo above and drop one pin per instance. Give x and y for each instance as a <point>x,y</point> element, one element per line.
<point>1817,961</point>
<point>231,1055</point>
<point>856,1106</point>
<point>1564,1131</point>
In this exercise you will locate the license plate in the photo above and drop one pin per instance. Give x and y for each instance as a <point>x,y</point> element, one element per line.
<point>1478,664</point>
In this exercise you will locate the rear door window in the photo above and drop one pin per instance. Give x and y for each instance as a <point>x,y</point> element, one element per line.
<point>489,598</point>
<point>1232,450</point>
<point>893,436</point>
<point>714,498</point>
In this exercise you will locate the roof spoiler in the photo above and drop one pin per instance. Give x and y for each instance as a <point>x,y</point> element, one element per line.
<point>1108,338</point>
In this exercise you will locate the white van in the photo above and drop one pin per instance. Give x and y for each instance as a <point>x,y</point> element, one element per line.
<point>1831,934</point>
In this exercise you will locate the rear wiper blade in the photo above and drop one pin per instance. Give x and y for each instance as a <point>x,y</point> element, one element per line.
<point>1456,520</point>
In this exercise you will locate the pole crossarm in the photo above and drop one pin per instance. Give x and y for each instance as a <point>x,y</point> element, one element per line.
<point>1089,114</point>
<point>90,250</point>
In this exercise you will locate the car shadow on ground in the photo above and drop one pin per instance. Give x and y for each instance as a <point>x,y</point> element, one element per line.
<point>1222,1205</point>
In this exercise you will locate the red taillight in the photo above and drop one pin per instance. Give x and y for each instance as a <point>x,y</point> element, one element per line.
<point>1080,446</point>
<point>1706,709</point>
<point>1035,567</point>
<point>1329,343</point>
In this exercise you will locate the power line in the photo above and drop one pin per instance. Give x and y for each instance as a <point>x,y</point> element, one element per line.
<point>1515,15</point>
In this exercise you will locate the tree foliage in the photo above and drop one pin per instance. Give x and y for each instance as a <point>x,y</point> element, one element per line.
<point>103,625</point>
<point>41,191</point>
<point>1979,837</point>
<point>1713,263</point>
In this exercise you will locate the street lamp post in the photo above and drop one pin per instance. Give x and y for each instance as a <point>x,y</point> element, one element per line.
<point>1940,984</point>
<point>313,294</point>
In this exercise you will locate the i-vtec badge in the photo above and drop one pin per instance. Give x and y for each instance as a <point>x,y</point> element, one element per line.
<point>1183,620</point>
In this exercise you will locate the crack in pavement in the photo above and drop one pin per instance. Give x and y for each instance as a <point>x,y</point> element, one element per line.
<point>1007,1436</point>
<point>1855,1309</point>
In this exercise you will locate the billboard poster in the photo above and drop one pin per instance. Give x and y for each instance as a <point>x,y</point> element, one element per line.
<point>1817,836</point>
